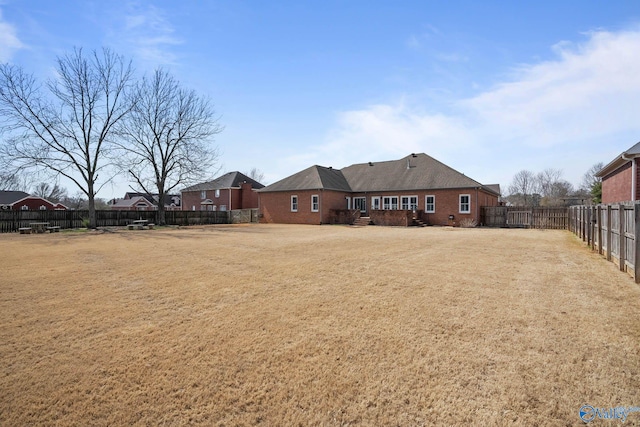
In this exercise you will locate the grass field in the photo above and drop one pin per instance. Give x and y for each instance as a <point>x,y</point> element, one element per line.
<point>313,325</point>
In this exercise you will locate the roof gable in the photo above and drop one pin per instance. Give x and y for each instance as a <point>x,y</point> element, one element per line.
<point>228,180</point>
<point>313,178</point>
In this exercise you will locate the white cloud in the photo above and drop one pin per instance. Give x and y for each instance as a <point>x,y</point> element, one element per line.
<point>582,102</point>
<point>9,41</point>
<point>149,34</point>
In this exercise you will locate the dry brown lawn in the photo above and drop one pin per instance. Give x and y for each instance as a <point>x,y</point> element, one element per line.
<point>313,325</point>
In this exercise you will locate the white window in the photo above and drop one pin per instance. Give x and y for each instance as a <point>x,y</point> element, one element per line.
<point>223,207</point>
<point>375,203</point>
<point>315,203</point>
<point>430,204</point>
<point>409,202</point>
<point>203,194</point>
<point>43,208</point>
<point>348,202</point>
<point>24,207</point>
<point>217,193</point>
<point>193,207</point>
<point>214,208</point>
<point>294,203</point>
<point>360,203</point>
<point>465,203</point>
<point>390,202</point>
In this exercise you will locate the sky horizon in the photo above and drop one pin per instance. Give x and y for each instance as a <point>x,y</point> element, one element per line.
<point>488,88</point>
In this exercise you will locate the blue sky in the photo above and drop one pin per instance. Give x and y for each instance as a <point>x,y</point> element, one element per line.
<point>489,88</point>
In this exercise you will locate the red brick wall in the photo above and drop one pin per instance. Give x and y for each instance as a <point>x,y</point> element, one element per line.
<point>616,187</point>
<point>275,207</point>
<point>249,197</point>
<point>240,199</point>
<point>33,203</point>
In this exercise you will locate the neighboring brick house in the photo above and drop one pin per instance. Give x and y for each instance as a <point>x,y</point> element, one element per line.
<point>418,183</point>
<point>19,200</point>
<point>620,177</point>
<point>145,202</point>
<point>233,190</point>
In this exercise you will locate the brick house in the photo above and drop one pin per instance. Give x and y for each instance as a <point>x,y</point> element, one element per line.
<point>620,177</point>
<point>19,200</point>
<point>233,190</point>
<point>416,184</point>
<point>145,202</point>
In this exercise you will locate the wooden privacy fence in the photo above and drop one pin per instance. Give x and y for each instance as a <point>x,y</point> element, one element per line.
<point>11,221</point>
<point>556,218</point>
<point>612,230</point>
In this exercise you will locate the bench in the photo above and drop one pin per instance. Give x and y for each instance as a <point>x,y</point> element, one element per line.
<point>151,226</point>
<point>135,226</point>
<point>54,229</point>
<point>24,230</point>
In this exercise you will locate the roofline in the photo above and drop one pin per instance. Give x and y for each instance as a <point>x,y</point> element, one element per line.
<point>616,164</point>
<point>477,187</point>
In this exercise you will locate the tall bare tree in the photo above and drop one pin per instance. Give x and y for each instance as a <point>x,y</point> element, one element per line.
<point>256,174</point>
<point>65,127</point>
<point>523,187</point>
<point>53,193</point>
<point>167,139</point>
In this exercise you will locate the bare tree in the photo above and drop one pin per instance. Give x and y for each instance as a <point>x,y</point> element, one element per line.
<point>14,181</point>
<point>167,138</point>
<point>546,181</point>
<point>51,193</point>
<point>66,126</point>
<point>256,174</point>
<point>523,187</point>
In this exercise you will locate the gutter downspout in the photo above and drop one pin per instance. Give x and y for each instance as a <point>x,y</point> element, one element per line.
<point>230,207</point>
<point>634,172</point>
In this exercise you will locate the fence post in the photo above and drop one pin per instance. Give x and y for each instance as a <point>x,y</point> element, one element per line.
<point>636,243</point>
<point>609,234</point>
<point>599,225</point>
<point>621,240</point>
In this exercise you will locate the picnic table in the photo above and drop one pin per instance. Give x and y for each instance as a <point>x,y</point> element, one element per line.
<point>140,224</point>
<point>39,227</point>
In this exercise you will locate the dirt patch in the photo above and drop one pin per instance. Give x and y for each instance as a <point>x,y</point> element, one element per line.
<point>323,325</point>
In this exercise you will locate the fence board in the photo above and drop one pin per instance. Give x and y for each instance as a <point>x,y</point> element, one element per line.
<point>611,230</point>
<point>11,221</point>
<point>525,217</point>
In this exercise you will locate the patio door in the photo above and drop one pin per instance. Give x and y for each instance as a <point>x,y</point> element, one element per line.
<point>360,203</point>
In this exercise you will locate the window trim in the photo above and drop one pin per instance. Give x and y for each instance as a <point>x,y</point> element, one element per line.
<point>410,208</point>
<point>373,203</point>
<point>390,206</point>
<point>294,209</point>
<point>426,204</point>
<point>468,203</point>
<point>203,194</point>
<point>316,204</point>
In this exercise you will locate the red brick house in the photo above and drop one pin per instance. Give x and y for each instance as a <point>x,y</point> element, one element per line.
<point>19,200</point>
<point>233,190</point>
<point>620,177</point>
<point>417,183</point>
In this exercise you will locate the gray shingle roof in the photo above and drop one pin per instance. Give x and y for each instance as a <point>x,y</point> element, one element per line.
<point>228,180</point>
<point>414,172</point>
<point>313,178</point>
<point>10,197</point>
